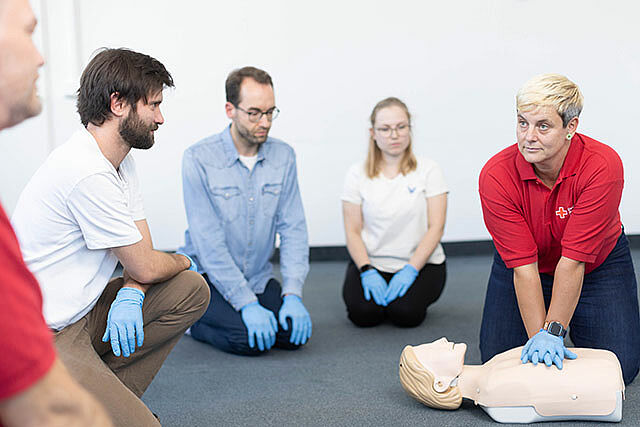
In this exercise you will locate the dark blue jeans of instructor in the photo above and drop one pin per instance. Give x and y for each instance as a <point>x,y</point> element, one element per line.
<point>606,316</point>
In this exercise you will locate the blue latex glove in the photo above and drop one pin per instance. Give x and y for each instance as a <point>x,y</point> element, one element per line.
<point>546,347</point>
<point>293,308</point>
<point>261,325</point>
<point>124,322</point>
<point>193,266</point>
<point>401,282</point>
<point>373,284</point>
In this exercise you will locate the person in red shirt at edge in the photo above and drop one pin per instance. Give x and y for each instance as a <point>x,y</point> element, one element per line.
<point>550,203</point>
<point>35,387</point>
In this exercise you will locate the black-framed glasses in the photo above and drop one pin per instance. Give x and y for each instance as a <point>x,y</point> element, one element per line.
<point>256,115</point>
<point>402,129</point>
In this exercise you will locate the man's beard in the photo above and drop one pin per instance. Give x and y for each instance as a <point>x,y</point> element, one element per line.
<point>136,132</point>
<point>248,137</point>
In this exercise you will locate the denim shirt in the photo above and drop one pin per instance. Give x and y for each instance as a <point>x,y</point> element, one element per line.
<point>233,216</point>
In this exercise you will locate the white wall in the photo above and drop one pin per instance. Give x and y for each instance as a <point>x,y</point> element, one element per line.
<point>457,64</point>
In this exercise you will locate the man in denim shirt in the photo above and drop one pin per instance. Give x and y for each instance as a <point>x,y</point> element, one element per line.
<point>240,189</point>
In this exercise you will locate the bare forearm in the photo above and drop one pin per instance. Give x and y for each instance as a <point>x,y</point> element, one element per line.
<point>144,264</point>
<point>55,400</point>
<point>161,266</point>
<point>426,247</point>
<point>130,283</point>
<point>357,250</point>
<point>567,285</point>
<point>526,282</point>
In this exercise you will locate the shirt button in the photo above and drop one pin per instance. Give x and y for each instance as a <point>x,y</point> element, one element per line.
<point>251,199</point>
<point>226,195</point>
<point>251,222</point>
<point>250,243</point>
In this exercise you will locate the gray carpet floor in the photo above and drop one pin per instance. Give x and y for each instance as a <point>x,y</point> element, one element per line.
<point>345,376</point>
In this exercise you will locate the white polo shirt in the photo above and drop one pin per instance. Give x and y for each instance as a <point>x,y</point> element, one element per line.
<point>76,207</point>
<point>394,212</point>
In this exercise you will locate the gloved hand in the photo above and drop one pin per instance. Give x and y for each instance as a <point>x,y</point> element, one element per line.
<point>373,284</point>
<point>193,266</point>
<point>124,322</point>
<point>400,283</point>
<point>261,325</point>
<point>293,308</point>
<point>547,347</point>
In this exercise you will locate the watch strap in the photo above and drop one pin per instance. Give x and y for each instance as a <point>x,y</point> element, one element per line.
<point>555,328</point>
<point>365,268</point>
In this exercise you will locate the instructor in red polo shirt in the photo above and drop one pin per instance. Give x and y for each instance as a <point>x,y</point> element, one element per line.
<point>563,262</point>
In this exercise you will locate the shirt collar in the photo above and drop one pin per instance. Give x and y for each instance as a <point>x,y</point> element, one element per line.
<point>569,167</point>
<point>231,153</point>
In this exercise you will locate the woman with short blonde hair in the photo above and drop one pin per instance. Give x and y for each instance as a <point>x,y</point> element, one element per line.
<point>550,203</point>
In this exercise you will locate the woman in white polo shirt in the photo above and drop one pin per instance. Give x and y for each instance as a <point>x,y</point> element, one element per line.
<point>394,208</point>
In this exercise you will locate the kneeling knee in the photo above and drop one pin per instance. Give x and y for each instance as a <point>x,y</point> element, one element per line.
<point>630,371</point>
<point>243,349</point>
<point>197,290</point>
<point>366,318</point>
<point>407,320</point>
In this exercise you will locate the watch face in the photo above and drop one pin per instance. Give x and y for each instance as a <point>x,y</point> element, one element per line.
<point>555,328</point>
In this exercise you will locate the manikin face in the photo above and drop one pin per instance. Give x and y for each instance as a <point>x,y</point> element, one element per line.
<point>542,139</point>
<point>19,63</point>
<point>253,97</point>
<point>138,126</point>
<point>391,131</point>
<point>442,358</point>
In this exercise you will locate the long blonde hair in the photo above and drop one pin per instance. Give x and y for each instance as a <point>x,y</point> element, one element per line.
<point>372,165</point>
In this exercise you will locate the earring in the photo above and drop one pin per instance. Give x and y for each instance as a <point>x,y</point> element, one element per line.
<point>569,136</point>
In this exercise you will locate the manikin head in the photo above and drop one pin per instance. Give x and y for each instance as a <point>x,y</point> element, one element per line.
<point>428,370</point>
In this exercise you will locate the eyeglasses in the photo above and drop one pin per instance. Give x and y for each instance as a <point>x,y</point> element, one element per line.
<point>402,130</point>
<point>256,115</point>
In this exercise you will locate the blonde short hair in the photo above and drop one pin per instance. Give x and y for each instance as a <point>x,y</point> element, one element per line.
<point>417,381</point>
<point>554,90</point>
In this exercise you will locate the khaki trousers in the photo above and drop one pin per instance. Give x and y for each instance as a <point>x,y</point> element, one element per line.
<point>169,308</point>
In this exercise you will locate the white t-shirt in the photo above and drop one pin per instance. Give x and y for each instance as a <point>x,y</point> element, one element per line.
<point>249,161</point>
<point>394,212</point>
<point>71,212</point>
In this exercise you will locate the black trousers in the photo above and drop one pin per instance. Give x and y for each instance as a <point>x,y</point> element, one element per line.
<point>408,311</point>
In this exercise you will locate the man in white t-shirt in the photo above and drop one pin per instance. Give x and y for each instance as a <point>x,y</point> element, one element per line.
<point>80,214</point>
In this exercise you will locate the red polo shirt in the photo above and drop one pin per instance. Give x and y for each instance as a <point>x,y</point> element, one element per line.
<point>578,218</point>
<point>26,345</point>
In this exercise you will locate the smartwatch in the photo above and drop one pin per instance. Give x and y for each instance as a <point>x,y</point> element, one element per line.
<point>365,268</point>
<point>555,328</point>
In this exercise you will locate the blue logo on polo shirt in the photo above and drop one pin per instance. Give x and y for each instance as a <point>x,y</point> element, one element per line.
<point>411,189</point>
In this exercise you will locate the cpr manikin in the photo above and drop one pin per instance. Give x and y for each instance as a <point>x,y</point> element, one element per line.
<point>587,388</point>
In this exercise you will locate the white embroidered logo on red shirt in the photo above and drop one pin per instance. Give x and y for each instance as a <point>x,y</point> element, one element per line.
<point>562,212</point>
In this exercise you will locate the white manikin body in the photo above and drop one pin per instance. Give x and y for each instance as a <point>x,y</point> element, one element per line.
<point>587,388</point>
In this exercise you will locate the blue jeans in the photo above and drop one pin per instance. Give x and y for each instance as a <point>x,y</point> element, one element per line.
<point>606,316</point>
<point>222,326</point>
